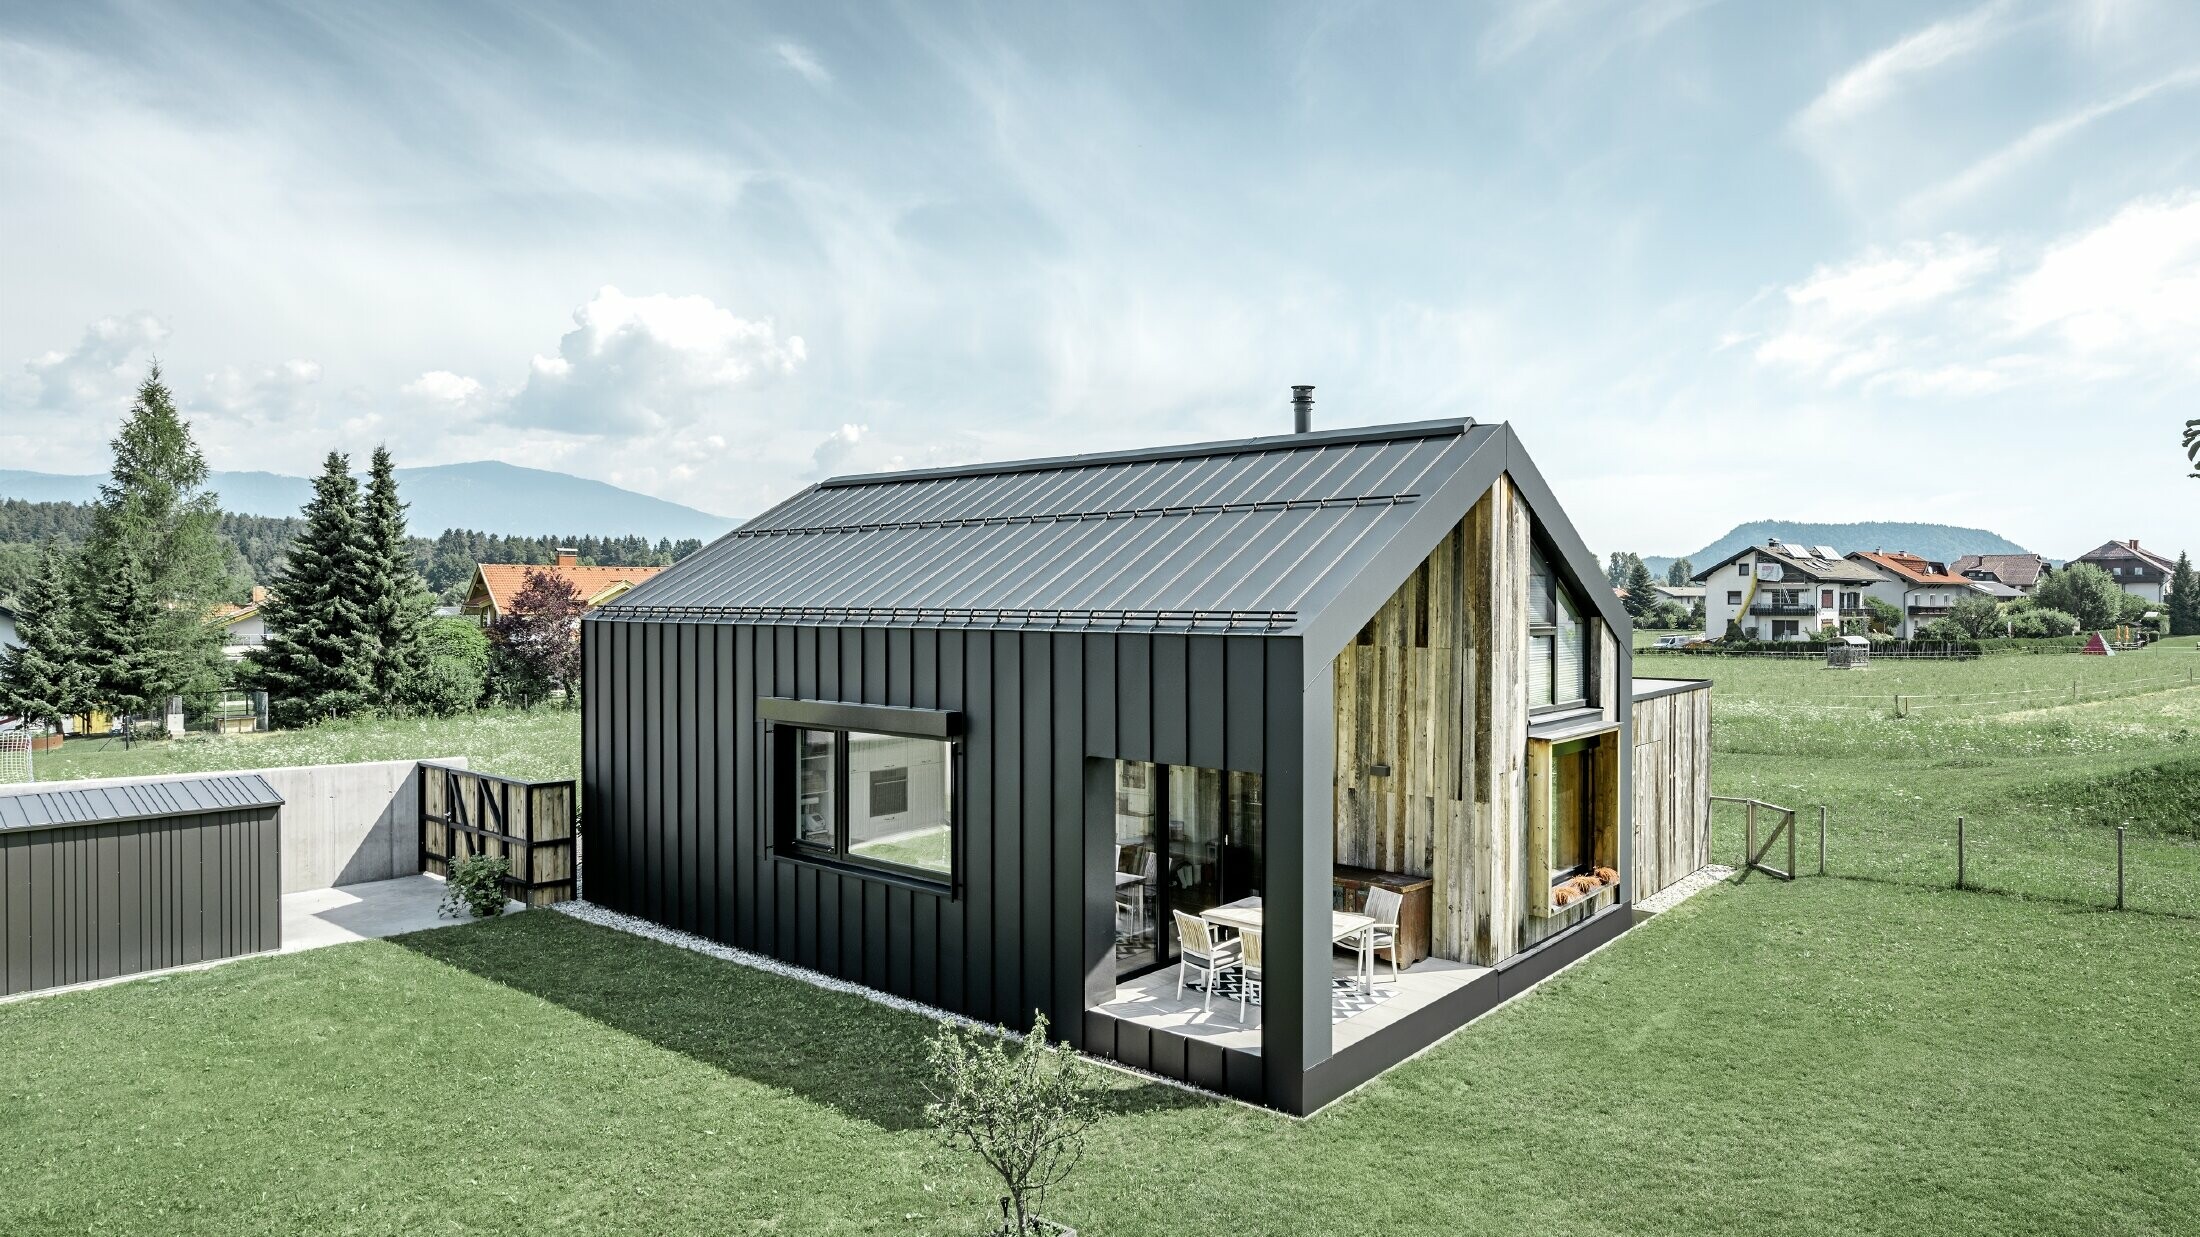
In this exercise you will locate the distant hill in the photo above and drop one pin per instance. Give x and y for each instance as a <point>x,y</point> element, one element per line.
<point>486,495</point>
<point>1943,542</point>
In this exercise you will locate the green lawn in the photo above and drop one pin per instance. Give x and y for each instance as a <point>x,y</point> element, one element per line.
<point>544,743</point>
<point>2041,782</point>
<point>1828,1057</point>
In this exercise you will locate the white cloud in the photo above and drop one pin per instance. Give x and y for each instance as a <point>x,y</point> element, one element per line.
<point>802,60</point>
<point>855,449</point>
<point>99,373</point>
<point>442,387</point>
<point>642,363</point>
<point>1881,74</point>
<point>1882,282</point>
<point>2130,287</point>
<point>277,392</point>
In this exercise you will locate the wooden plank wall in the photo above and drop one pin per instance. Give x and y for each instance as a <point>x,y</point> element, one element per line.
<point>1497,581</point>
<point>1672,788</point>
<point>535,820</point>
<point>86,902</point>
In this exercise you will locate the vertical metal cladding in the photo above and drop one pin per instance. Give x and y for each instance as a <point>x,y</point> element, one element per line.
<point>677,785</point>
<point>105,883</point>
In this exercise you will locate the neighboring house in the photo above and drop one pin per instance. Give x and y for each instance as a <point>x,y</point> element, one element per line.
<point>1923,589</point>
<point>1020,736</point>
<point>9,637</point>
<point>2135,570</point>
<point>1686,595</point>
<point>1782,591</point>
<point>496,584</point>
<point>244,628</point>
<point>2022,572</point>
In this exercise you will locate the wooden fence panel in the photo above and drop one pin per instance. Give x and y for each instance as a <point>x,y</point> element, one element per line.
<point>527,824</point>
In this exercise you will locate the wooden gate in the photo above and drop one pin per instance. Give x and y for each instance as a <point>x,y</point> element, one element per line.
<point>527,824</point>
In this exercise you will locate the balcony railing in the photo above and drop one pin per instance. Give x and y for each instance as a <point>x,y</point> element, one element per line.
<point>1783,608</point>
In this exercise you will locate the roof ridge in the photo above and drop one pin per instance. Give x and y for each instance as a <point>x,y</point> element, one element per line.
<point>1396,431</point>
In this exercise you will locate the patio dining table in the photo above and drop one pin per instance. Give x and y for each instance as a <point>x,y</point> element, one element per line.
<point>1244,915</point>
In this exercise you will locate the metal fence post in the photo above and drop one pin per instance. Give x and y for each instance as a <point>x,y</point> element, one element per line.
<point>1790,826</point>
<point>1821,839</point>
<point>1959,852</point>
<point>2119,867</point>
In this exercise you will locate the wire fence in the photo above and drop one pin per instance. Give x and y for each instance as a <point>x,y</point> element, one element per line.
<point>2077,691</point>
<point>2144,869</point>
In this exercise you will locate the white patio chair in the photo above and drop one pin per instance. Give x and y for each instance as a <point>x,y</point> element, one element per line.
<point>1248,969</point>
<point>1197,950</point>
<point>1382,906</point>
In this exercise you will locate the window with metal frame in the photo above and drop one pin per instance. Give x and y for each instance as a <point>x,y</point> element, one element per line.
<point>1558,661</point>
<point>879,800</point>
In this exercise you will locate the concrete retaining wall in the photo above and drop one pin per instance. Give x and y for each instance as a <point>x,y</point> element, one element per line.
<point>342,824</point>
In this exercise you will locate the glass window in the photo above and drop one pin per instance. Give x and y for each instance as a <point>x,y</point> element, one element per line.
<point>1570,780</point>
<point>876,798</point>
<point>1558,653</point>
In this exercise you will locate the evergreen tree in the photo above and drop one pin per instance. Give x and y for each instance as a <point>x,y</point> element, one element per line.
<point>155,519</point>
<point>48,676</point>
<point>1679,574</point>
<point>318,660</point>
<point>130,667</point>
<point>1642,590</point>
<point>397,604</point>
<point>2184,599</point>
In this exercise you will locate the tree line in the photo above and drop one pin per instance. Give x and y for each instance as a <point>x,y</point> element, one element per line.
<point>257,544</point>
<point>121,616</point>
<point>1638,588</point>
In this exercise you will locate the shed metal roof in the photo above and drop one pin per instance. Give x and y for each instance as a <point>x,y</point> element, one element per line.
<point>49,806</point>
<point>1230,536</point>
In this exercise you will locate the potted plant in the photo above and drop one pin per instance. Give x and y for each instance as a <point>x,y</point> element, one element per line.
<point>1024,1111</point>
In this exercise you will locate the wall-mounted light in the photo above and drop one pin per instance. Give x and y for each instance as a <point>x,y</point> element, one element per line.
<point>1378,770</point>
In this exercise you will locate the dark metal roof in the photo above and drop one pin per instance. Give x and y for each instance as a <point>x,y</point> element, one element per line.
<point>1230,536</point>
<point>51,805</point>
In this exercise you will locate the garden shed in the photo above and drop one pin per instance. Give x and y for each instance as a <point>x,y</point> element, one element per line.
<point>1260,764</point>
<point>113,880</point>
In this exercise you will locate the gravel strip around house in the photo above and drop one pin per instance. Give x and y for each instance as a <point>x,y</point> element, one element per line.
<point>1685,888</point>
<point>589,912</point>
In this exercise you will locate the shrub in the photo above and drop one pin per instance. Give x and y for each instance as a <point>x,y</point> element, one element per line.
<point>2085,591</point>
<point>1976,616</point>
<point>453,675</point>
<point>475,887</point>
<point>1024,1112</point>
<point>2040,621</point>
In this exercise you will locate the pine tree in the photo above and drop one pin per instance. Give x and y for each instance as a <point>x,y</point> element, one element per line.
<point>397,604</point>
<point>2184,599</point>
<point>154,518</point>
<point>48,676</point>
<point>1642,590</point>
<point>130,666</point>
<point>318,660</point>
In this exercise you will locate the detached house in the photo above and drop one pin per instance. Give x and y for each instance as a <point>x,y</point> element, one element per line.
<point>2021,573</point>
<point>496,584</point>
<point>1923,589</point>
<point>2137,571</point>
<point>1782,591</point>
<point>1260,764</point>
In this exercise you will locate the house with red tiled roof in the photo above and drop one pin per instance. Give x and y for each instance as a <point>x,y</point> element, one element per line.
<point>496,584</point>
<point>1922,588</point>
<point>2135,570</point>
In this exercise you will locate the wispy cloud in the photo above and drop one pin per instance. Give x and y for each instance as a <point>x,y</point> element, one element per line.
<point>802,60</point>
<point>1880,75</point>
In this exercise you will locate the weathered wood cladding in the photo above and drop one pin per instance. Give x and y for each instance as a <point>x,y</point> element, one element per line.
<point>86,902</point>
<point>1435,689</point>
<point>675,821</point>
<point>529,825</point>
<point>1672,792</point>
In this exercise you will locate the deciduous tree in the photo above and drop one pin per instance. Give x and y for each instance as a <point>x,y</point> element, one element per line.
<point>2085,591</point>
<point>535,644</point>
<point>1680,573</point>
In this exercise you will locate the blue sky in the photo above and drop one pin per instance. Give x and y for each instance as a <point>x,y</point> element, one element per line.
<point>1716,262</point>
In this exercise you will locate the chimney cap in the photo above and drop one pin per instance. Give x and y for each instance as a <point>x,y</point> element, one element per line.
<point>1302,407</point>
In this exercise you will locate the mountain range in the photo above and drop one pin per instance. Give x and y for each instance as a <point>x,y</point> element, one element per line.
<point>1940,542</point>
<point>486,495</point>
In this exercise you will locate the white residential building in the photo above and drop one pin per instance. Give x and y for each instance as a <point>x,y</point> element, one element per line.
<point>1780,591</point>
<point>1919,587</point>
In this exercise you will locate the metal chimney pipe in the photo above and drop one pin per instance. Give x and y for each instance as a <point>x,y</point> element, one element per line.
<point>1302,409</point>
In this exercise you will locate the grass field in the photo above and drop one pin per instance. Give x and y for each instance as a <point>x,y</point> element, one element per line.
<point>2041,781</point>
<point>1829,1057</point>
<point>544,743</point>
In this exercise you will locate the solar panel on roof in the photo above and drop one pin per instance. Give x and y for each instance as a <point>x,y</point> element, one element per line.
<point>1827,552</point>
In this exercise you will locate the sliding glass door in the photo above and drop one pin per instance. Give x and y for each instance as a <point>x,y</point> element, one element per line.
<point>1187,839</point>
